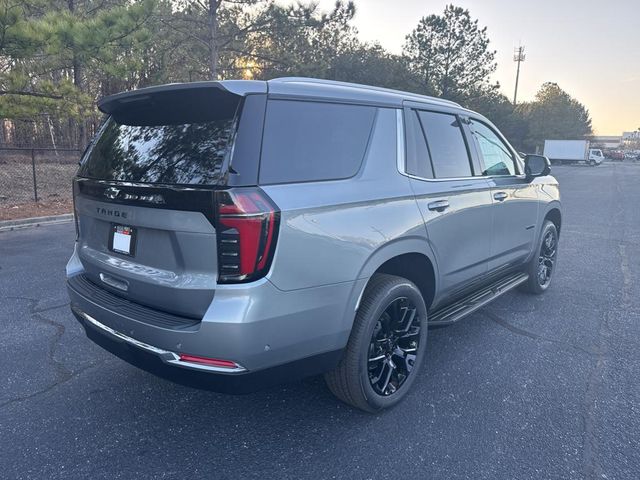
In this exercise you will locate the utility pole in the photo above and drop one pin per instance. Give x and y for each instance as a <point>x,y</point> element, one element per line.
<point>518,56</point>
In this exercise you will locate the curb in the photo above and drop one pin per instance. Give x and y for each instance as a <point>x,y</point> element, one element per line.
<point>8,225</point>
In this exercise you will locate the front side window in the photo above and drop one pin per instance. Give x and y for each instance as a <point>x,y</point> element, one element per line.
<point>495,156</point>
<point>313,141</point>
<point>446,145</point>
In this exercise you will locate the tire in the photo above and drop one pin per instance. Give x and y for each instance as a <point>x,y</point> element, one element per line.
<point>546,257</point>
<point>379,365</point>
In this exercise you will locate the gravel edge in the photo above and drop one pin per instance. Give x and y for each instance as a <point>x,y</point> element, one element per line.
<point>8,225</point>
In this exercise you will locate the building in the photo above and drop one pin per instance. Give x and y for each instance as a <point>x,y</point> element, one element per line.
<point>629,138</point>
<point>611,142</point>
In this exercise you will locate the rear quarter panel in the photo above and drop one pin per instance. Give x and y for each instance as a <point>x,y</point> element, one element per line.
<point>331,230</point>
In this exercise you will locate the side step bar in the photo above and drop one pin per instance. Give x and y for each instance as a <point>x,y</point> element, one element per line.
<point>463,307</point>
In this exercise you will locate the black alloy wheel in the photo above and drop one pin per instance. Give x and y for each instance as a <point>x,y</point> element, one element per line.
<point>386,348</point>
<point>543,264</point>
<point>547,257</point>
<point>394,346</point>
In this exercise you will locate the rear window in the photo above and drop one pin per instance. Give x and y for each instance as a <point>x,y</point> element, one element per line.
<point>313,141</point>
<point>190,153</point>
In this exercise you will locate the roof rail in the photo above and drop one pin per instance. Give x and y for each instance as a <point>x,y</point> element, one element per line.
<point>319,81</point>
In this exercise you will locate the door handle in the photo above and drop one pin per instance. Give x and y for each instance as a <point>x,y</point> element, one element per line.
<point>438,205</point>
<point>500,196</point>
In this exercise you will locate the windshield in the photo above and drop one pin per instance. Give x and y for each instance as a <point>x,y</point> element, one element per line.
<point>185,153</point>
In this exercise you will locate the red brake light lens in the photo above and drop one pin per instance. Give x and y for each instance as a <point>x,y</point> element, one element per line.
<point>247,227</point>
<point>212,362</point>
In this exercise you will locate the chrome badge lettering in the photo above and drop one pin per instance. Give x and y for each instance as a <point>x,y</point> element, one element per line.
<point>111,213</point>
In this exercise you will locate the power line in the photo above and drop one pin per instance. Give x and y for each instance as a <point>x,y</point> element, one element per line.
<point>518,56</point>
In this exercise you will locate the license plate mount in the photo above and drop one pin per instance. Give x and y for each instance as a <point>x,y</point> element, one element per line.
<point>122,240</point>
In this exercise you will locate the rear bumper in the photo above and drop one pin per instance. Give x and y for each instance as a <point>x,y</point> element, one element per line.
<point>167,357</point>
<point>272,335</point>
<point>164,364</point>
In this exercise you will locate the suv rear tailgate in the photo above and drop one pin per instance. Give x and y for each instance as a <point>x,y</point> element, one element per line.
<point>173,261</point>
<point>144,194</point>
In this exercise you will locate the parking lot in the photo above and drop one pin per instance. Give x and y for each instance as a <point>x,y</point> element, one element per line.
<point>528,387</point>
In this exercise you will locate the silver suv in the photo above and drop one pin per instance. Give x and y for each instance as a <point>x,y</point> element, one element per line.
<point>235,234</point>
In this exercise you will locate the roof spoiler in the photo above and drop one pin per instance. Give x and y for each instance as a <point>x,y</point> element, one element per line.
<point>175,102</point>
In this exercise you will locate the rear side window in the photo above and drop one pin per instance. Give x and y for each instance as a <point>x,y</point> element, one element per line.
<point>418,158</point>
<point>446,145</point>
<point>312,141</point>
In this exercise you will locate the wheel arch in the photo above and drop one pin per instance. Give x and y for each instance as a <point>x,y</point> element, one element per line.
<point>555,216</point>
<point>410,258</point>
<point>552,212</point>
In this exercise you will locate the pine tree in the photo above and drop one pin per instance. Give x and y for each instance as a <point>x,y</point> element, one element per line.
<point>450,54</point>
<point>554,114</point>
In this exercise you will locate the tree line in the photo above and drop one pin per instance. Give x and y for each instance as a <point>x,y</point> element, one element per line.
<point>57,57</point>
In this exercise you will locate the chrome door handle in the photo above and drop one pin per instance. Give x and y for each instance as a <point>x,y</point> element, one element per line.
<point>438,205</point>
<point>500,196</point>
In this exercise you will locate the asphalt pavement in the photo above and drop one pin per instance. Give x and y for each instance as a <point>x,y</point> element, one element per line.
<point>526,388</point>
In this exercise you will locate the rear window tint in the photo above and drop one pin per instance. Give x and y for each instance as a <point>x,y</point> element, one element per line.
<point>312,141</point>
<point>446,145</point>
<point>185,153</point>
<point>418,158</point>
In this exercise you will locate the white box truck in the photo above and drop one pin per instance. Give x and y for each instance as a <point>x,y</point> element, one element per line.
<point>572,151</point>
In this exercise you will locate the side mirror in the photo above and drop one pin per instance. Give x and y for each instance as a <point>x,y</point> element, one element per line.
<point>536,166</point>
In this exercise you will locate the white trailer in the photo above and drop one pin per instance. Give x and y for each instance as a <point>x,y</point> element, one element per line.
<point>572,151</point>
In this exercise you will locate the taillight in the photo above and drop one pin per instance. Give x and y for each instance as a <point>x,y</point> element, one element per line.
<point>246,229</point>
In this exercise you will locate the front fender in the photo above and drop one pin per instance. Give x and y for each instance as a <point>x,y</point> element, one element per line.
<point>543,212</point>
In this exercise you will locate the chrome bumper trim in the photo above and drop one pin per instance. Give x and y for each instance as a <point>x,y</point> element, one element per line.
<point>166,356</point>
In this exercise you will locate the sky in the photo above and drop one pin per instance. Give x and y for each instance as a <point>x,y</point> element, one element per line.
<point>591,48</point>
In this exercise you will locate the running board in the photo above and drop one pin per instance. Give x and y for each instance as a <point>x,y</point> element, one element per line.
<point>463,307</point>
